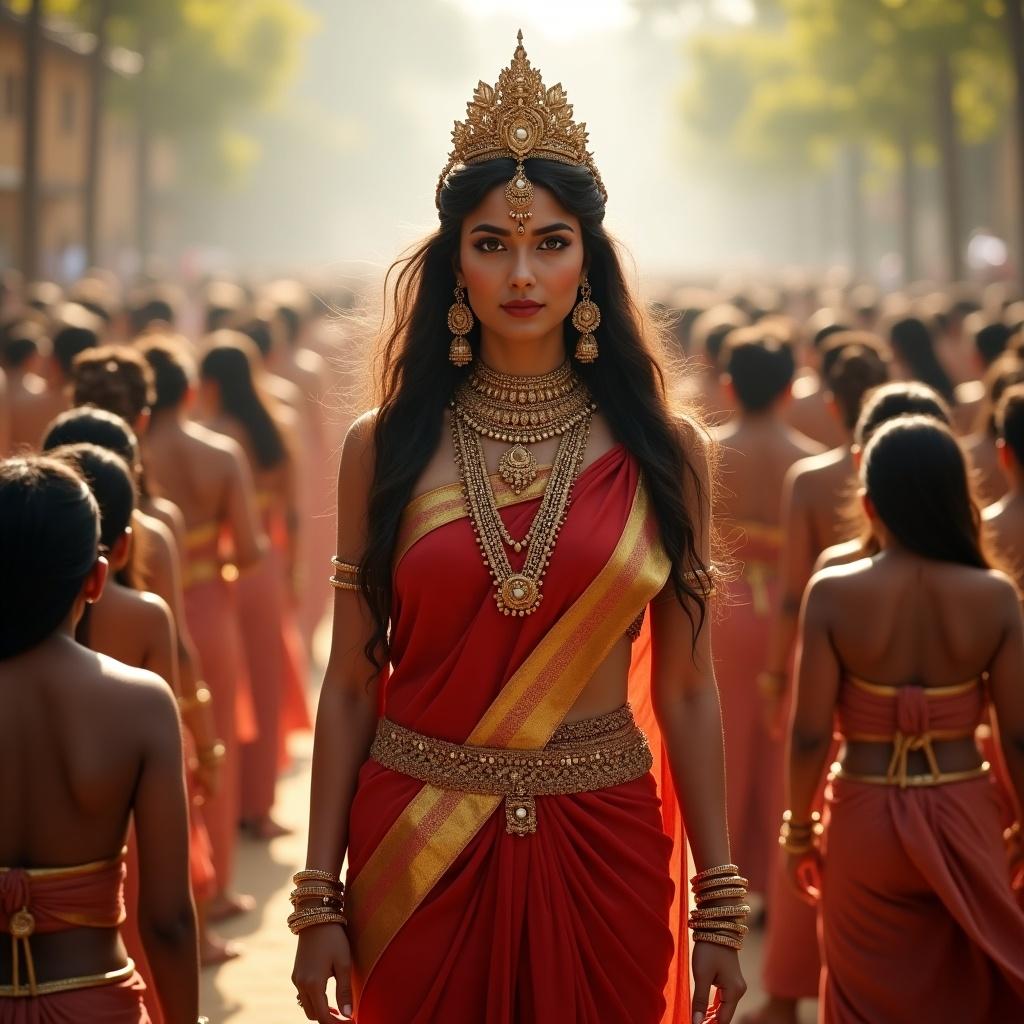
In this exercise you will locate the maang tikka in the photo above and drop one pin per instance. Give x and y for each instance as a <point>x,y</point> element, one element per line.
<point>460,323</point>
<point>586,318</point>
<point>519,118</point>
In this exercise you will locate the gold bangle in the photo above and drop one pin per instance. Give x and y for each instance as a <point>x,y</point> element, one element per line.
<point>722,869</point>
<point>733,910</point>
<point>298,923</point>
<point>718,939</point>
<point>317,875</point>
<point>350,567</point>
<point>771,684</point>
<point>199,699</point>
<point>736,927</point>
<point>213,754</point>
<point>735,891</point>
<point>717,883</point>
<point>317,889</point>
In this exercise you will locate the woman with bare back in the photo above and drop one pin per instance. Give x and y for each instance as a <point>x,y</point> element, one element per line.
<point>903,652</point>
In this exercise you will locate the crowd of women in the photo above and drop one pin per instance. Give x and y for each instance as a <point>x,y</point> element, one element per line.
<point>161,503</point>
<point>869,515</point>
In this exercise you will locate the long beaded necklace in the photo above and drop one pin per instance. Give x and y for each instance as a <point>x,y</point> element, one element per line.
<point>517,593</point>
<point>522,411</point>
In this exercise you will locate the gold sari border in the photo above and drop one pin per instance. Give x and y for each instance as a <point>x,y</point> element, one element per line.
<point>445,504</point>
<point>428,836</point>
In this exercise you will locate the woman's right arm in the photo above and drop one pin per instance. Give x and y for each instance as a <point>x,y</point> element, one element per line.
<point>1005,675</point>
<point>166,914</point>
<point>345,722</point>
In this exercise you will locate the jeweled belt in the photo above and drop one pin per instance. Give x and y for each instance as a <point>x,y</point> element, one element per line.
<point>594,753</point>
<point>47,988</point>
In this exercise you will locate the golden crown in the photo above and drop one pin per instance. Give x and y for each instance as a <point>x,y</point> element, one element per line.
<point>518,119</point>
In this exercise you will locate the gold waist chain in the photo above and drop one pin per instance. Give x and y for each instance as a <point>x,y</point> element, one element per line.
<point>596,753</point>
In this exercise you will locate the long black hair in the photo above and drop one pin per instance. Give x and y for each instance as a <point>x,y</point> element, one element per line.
<point>914,344</point>
<point>228,364</point>
<point>49,542</point>
<point>417,381</point>
<point>916,476</point>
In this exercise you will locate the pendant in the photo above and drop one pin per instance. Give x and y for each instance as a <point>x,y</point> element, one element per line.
<point>518,595</point>
<point>518,468</point>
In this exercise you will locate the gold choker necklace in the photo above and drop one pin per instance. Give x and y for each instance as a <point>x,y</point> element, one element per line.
<point>521,411</point>
<point>517,593</point>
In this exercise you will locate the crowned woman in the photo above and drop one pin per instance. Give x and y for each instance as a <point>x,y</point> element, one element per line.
<point>519,710</point>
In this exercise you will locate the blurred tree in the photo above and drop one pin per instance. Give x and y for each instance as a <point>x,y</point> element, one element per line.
<point>204,63</point>
<point>30,143</point>
<point>1015,33</point>
<point>910,78</point>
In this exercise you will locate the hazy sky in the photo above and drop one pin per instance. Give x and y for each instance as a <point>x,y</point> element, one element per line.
<point>351,157</point>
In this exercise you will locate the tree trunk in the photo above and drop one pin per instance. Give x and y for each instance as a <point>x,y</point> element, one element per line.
<point>1015,30</point>
<point>908,209</point>
<point>94,135</point>
<point>144,152</point>
<point>30,221</point>
<point>950,166</point>
<point>855,212</point>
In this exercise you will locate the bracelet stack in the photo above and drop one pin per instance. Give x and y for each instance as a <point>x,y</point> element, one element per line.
<point>797,837</point>
<point>318,898</point>
<point>346,575</point>
<point>715,922</point>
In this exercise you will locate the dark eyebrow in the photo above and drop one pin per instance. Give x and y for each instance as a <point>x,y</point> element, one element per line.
<point>490,229</point>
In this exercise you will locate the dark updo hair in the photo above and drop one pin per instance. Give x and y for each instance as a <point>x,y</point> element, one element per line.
<point>416,383</point>
<point>173,370</point>
<point>69,341</point>
<point>260,332</point>
<point>898,398</point>
<point>761,365</point>
<point>991,341</point>
<point>19,342</point>
<point>88,425</point>
<point>916,476</point>
<point>1007,370</point>
<point>110,481</point>
<point>115,378</point>
<point>49,542</point>
<point>853,362</point>
<point>914,345</point>
<point>227,363</point>
<point>1010,420</point>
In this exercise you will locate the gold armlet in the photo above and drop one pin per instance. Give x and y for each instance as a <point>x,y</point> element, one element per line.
<point>340,584</point>
<point>799,837</point>
<point>199,699</point>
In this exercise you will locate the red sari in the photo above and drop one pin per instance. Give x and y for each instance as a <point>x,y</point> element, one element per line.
<point>452,918</point>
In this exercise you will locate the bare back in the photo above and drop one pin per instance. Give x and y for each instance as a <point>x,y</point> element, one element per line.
<point>907,620</point>
<point>754,458</point>
<point>192,467</point>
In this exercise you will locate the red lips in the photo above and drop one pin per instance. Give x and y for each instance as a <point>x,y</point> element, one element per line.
<point>522,307</point>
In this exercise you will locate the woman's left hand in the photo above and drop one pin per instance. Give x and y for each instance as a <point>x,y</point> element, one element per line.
<point>717,966</point>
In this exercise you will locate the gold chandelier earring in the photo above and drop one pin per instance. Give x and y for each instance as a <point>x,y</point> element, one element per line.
<point>460,323</point>
<point>586,318</point>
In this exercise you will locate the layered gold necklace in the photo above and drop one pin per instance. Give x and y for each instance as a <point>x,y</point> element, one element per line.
<point>519,411</point>
<point>522,411</point>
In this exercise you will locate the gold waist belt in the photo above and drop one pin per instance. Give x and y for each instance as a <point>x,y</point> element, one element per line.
<point>582,756</point>
<point>46,988</point>
<point>913,781</point>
